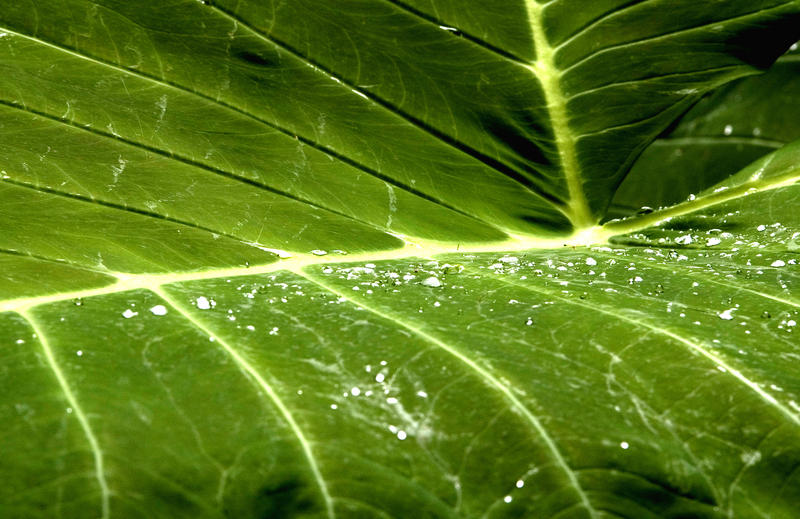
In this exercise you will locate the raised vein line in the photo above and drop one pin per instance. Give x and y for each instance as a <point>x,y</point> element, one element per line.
<point>485,375</point>
<point>756,185</point>
<point>663,331</point>
<point>544,68</point>
<point>105,493</point>
<point>163,82</point>
<point>248,368</point>
<point>709,279</point>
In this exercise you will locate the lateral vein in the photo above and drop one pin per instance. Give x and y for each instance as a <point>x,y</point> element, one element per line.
<point>697,348</point>
<point>263,385</point>
<point>490,379</point>
<point>97,453</point>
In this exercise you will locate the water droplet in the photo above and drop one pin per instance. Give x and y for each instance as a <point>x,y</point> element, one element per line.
<point>624,445</point>
<point>159,310</point>
<point>401,435</point>
<point>318,252</point>
<point>432,282</point>
<point>766,315</point>
<point>591,262</point>
<point>508,499</point>
<point>77,301</point>
<point>355,391</point>
<point>127,314</point>
<point>728,129</point>
<point>778,263</point>
<point>202,303</point>
<point>726,315</point>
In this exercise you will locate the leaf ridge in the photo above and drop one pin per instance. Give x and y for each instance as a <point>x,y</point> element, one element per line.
<point>549,76</point>
<point>712,279</point>
<point>305,140</point>
<point>753,186</point>
<point>94,445</point>
<point>474,39</point>
<point>711,140</point>
<point>646,80</point>
<point>697,348</point>
<point>669,34</point>
<point>118,207</point>
<point>489,379</point>
<point>491,162</point>
<point>250,371</point>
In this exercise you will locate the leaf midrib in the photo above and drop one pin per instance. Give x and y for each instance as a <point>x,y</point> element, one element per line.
<point>549,76</point>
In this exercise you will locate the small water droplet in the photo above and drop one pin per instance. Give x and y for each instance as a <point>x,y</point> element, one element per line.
<point>77,301</point>
<point>728,129</point>
<point>726,315</point>
<point>432,282</point>
<point>766,315</point>
<point>159,310</point>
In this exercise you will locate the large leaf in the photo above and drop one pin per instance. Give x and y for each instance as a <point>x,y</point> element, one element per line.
<point>331,259</point>
<point>724,132</point>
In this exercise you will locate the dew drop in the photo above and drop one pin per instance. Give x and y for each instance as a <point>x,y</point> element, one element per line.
<point>432,282</point>
<point>159,310</point>
<point>726,315</point>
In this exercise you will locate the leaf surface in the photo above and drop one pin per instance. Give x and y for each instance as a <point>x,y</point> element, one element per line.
<point>340,259</point>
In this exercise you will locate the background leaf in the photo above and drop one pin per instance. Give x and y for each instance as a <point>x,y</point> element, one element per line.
<point>724,132</point>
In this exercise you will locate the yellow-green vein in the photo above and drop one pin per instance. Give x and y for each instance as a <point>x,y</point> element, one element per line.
<point>485,375</point>
<point>247,368</point>
<point>94,445</point>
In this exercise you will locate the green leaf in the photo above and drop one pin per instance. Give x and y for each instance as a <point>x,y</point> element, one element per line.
<point>341,259</point>
<point>724,132</point>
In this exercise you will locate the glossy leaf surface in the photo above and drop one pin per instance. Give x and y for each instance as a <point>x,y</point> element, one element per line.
<point>339,259</point>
